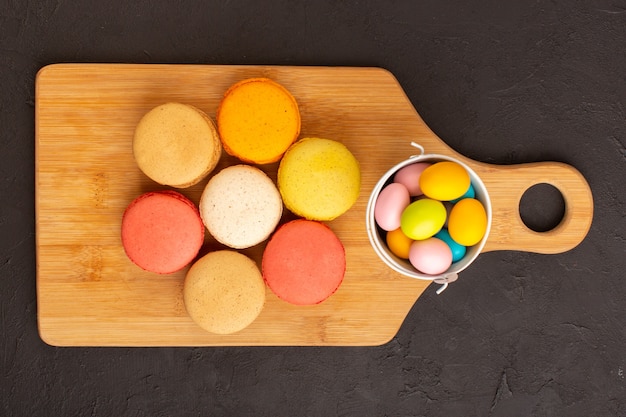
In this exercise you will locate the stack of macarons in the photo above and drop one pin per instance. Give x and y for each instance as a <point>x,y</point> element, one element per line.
<point>258,122</point>
<point>176,144</point>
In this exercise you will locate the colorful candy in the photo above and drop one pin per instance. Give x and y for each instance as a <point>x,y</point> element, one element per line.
<point>468,222</point>
<point>430,215</point>
<point>458,250</point>
<point>399,244</point>
<point>444,181</point>
<point>470,193</point>
<point>409,176</point>
<point>423,218</point>
<point>392,200</point>
<point>431,256</point>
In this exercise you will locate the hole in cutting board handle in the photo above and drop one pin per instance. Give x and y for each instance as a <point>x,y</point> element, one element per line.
<point>542,207</point>
<point>507,185</point>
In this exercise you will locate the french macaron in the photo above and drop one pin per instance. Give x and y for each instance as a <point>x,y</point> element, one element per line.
<point>224,292</point>
<point>319,179</point>
<point>162,231</point>
<point>304,262</point>
<point>176,144</point>
<point>258,119</point>
<point>240,206</point>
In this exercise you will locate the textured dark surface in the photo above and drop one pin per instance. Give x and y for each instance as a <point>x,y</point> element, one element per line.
<point>502,82</point>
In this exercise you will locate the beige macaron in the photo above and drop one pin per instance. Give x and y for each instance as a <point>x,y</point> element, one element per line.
<point>224,292</point>
<point>176,144</point>
<point>240,206</point>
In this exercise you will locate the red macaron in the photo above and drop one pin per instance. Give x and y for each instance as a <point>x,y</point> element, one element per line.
<point>304,262</point>
<point>162,231</point>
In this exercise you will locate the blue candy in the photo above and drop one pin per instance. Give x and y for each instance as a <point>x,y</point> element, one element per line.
<point>470,193</point>
<point>458,251</point>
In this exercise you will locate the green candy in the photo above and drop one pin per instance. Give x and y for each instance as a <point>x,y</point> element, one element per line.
<point>423,218</point>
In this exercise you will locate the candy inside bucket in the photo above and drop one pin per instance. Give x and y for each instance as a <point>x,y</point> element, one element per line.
<point>378,236</point>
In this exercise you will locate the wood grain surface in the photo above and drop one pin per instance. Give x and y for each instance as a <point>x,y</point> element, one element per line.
<point>90,294</point>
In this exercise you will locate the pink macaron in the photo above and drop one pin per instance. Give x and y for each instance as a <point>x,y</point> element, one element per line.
<point>162,231</point>
<point>304,262</point>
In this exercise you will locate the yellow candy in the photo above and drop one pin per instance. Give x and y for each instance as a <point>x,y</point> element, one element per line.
<point>423,218</point>
<point>468,222</point>
<point>398,243</point>
<point>444,181</point>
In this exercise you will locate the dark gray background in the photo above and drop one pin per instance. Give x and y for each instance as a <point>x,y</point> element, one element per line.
<point>502,82</point>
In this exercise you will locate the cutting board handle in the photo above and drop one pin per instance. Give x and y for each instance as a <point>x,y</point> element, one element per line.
<point>506,186</point>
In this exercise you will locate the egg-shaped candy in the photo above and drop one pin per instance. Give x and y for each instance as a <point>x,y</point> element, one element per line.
<point>468,222</point>
<point>448,205</point>
<point>431,256</point>
<point>423,218</point>
<point>445,181</point>
<point>470,193</point>
<point>458,250</point>
<point>409,176</point>
<point>399,243</point>
<point>390,204</point>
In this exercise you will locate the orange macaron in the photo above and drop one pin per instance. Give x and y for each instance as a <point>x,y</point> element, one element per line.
<point>258,119</point>
<point>162,231</point>
<point>304,262</point>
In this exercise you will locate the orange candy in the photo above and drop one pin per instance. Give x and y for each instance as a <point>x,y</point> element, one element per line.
<point>398,243</point>
<point>468,222</point>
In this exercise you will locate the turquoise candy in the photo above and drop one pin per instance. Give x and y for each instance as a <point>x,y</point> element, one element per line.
<point>470,193</point>
<point>458,250</point>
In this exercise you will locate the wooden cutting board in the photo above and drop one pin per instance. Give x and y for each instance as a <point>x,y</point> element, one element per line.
<point>90,294</point>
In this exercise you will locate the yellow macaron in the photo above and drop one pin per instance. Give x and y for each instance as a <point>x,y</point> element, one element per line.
<point>319,179</point>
